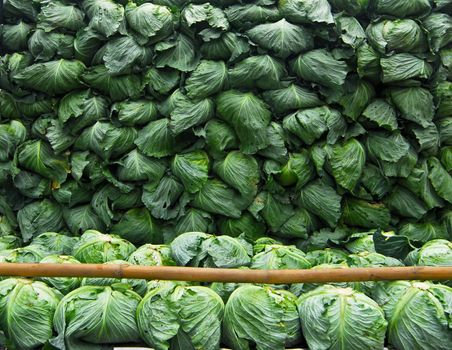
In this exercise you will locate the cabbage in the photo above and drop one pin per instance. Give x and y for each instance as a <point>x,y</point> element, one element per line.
<point>28,254</point>
<point>279,257</point>
<point>191,317</point>
<point>152,255</point>
<point>109,312</point>
<point>201,249</point>
<point>418,314</point>
<point>252,309</point>
<point>437,252</point>
<point>95,247</point>
<point>26,312</point>
<point>341,318</point>
<point>403,35</point>
<point>56,243</point>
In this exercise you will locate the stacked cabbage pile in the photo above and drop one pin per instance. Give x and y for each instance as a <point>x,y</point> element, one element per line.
<point>99,313</point>
<point>152,118</point>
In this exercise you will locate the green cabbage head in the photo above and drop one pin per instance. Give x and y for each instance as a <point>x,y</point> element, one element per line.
<point>56,243</point>
<point>94,315</point>
<point>96,248</point>
<point>179,317</point>
<point>26,312</point>
<point>341,319</point>
<point>152,255</point>
<point>419,314</point>
<point>437,252</point>
<point>262,316</point>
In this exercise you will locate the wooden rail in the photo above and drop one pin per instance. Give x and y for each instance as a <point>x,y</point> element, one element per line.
<point>196,274</point>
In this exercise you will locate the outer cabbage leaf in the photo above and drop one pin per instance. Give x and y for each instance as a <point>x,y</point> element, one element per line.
<point>437,252</point>
<point>54,77</point>
<point>164,199</point>
<point>244,16</point>
<point>419,183</point>
<point>157,140</point>
<point>206,19</point>
<point>357,212</point>
<point>357,95</point>
<point>310,124</point>
<point>352,7</point>
<point>347,163</point>
<point>124,55</point>
<point>86,44</point>
<point>150,20</point>
<point>39,217</point>
<point>152,255</point>
<point>262,71</point>
<point>306,11</point>
<point>14,37</point>
<point>279,257</point>
<point>381,113</point>
<point>177,52</point>
<point>249,117</point>
<point>134,166</point>
<point>106,140</point>
<point>241,172</point>
<point>404,203</point>
<point>322,200</point>
<point>60,15</point>
<point>207,79</point>
<point>246,225</point>
<point>192,169</point>
<point>118,87</point>
<point>200,249</point>
<point>319,66</point>
<point>106,16</point>
<point>291,98</point>
<point>350,31</point>
<point>229,47</point>
<point>17,8</point>
<point>194,220</point>
<point>161,81</point>
<point>441,180</point>
<point>137,226</point>
<point>55,243</point>
<point>403,8</point>
<point>81,218</point>
<point>439,30</point>
<point>404,66</point>
<point>282,38</point>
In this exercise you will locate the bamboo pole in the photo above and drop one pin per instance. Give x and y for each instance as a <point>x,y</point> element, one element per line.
<point>196,274</point>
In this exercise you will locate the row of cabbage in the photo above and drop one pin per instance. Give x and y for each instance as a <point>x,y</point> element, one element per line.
<point>89,313</point>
